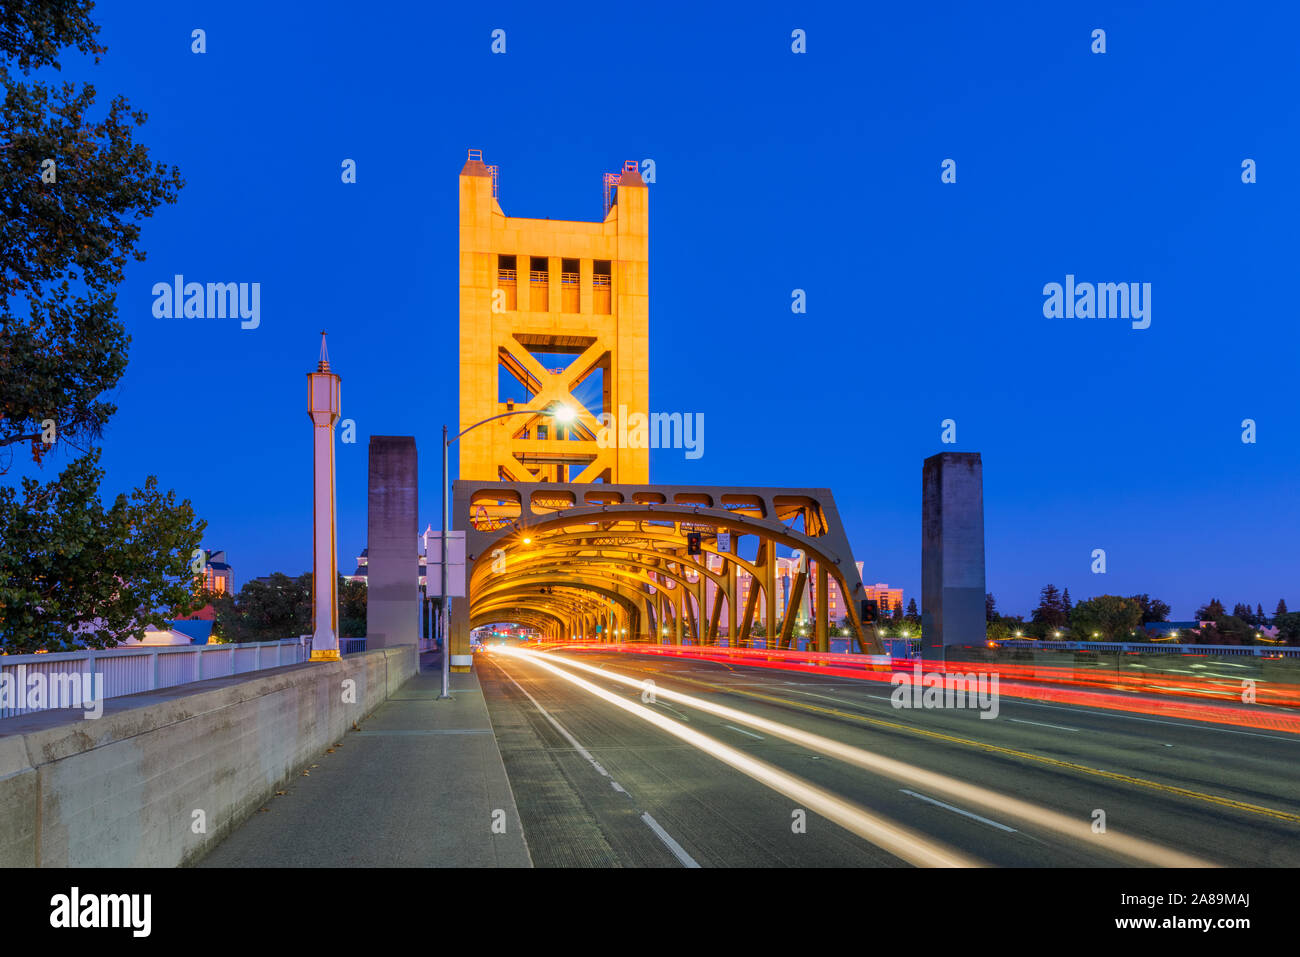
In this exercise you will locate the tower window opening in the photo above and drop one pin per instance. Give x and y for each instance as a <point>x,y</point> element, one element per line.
<point>506,280</point>
<point>570,290</point>
<point>601,286</point>
<point>538,284</point>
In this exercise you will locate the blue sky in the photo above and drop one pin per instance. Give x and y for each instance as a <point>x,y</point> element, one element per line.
<point>774,171</point>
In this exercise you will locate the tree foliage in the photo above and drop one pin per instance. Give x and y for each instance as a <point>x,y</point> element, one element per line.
<point>1106,618</point>
<point>73,571</point>
<point>279,606</point>
<point>67,231</point>
<point>1051,612</point>
<point>74,191</point>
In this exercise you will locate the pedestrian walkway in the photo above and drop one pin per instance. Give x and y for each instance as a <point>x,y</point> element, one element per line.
<point>419,784</point>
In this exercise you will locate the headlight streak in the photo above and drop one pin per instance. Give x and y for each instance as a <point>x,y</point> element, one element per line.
<point>1079,829</point>
<point>902,842</point>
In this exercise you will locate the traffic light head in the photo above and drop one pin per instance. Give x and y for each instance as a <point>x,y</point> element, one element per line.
<point>692,543</point>
<point>870,610</point>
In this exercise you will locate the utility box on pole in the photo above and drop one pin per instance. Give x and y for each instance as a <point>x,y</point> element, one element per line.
<point>455,565</point>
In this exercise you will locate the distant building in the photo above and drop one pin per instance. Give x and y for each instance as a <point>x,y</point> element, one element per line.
<point>888,597</point>
<point>181,632</point>
<point>217,574</point>
<point>428,536</point>
<point>219,579</point>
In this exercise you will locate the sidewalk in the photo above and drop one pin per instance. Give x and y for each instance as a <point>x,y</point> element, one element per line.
<point>417,786</point>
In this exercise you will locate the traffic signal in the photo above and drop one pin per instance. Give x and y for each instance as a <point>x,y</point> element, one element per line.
<point>692,543</point>
<point>870,610</point>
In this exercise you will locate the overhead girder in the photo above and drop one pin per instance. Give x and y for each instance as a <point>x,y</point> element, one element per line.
<point>606,566</point>
<point>617,549</point>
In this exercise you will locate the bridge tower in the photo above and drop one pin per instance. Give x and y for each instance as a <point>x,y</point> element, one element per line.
<point>552,312</point>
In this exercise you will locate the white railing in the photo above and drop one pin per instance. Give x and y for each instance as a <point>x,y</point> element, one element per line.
<point>1156,648</point>
<point>136,668</point>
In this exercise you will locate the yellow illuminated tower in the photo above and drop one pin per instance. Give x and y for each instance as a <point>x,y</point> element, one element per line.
<point>552,312</point>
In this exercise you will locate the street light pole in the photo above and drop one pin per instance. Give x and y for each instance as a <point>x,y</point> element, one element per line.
<point>444,602</point>
<point>561,414</point>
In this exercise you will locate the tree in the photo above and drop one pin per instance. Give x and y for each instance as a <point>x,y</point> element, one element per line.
<point>911,609</point>
<point>72,197</point>
<point>1105,618</point>
<point>1244,613</point>
<point>898,611</point>
<point>1281,607</point>
<point>1211,612</point>
<point>73,572</point>
<point>1005,626</point>
<point>990,607</point>
<point>1260,619</point>
<point>352,608</point>
<point>1050,613</point>
<point>1288,626</point>
<point>1153,609</point>
<point>1065,601</point>
<point>267,609</point>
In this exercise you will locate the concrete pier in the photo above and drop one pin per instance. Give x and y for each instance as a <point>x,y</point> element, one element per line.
<point>952,553</point>
<point>392,567</point>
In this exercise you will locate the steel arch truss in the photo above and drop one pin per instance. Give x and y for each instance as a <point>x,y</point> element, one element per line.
<point>610,562</point>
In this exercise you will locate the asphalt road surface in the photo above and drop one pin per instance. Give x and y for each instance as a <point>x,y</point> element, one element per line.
<point>597,785</point>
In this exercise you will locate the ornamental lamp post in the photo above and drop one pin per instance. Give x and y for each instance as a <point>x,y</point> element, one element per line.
<point>323,407</point>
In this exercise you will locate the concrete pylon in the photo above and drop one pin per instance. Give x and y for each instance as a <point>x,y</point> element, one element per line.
<point>392,565</point>
<point>324,403</point>
<point>952,554</point>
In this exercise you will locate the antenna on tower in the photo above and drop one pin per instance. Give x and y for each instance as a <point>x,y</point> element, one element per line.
<point>324,365</point>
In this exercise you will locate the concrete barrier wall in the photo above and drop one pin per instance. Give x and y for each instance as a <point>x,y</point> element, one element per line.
<point>122,790</point>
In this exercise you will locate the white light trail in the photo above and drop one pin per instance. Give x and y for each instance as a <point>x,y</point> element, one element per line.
<point>1080,828</point>
<point>902,842</point>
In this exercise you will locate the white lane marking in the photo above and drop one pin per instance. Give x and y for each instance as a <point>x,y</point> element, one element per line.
<point>558,727</point>
<point>841,700</point>
<point>674,711</point>
<point>743,731</point>
<point>957,810</point>
<point>1058,727</point>
<point>678,851</point>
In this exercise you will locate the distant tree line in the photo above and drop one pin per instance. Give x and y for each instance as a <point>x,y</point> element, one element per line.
<point>1120,618</point>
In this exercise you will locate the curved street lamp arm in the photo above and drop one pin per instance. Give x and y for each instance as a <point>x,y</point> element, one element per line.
<point>503,415</point>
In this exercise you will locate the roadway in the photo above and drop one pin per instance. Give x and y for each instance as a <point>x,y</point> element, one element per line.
<point>597,785</point>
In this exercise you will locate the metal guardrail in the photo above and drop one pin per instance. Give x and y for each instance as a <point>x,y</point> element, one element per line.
<point>136,668</point>
<point>1153,648</point>
<point>351,646</point>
